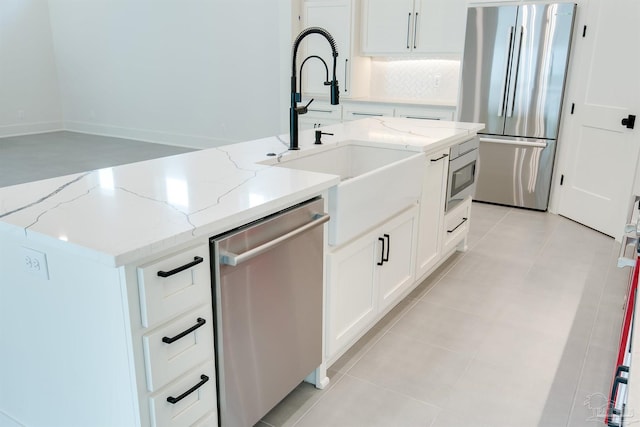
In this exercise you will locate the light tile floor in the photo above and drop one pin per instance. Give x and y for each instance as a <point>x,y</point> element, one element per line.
<point>521,330</point>
<point>47,155</point>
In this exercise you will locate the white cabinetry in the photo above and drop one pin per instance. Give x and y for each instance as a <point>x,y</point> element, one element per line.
<point>432,211</point>
<point>354,110</point>
<point>175,328</point>
<point>456,227</point>
<point>340,19</point>
<point>367,275</point>
<point>413,26</point>
<point>424,113</point>
<point>117,346</point>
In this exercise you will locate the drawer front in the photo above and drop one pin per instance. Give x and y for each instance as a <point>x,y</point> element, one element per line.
<point>209,420</point>
<point>364,111</point>
<point>176,347</point>
<point>187,284</point>
<point>196,395</point>
<point>425,113</point>
<point>456,225</point>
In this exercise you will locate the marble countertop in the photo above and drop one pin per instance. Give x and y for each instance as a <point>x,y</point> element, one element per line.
<point>122,214</point>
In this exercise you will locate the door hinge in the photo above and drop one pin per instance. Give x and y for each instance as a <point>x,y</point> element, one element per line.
<point>584,31</point>
<point>573,107</point>
<point>561,179</point>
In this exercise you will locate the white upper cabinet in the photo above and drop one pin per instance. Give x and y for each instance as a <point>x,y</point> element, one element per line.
<point>339,19</point>
<point>424,27</point>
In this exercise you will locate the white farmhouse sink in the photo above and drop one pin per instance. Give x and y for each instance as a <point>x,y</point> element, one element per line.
<point>375,184</point>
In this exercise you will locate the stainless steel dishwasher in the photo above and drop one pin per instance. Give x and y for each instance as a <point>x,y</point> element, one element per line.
<point>267,289</point>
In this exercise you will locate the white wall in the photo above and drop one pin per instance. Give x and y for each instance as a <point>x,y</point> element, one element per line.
<point>187,72</point>
<point>29,96</point>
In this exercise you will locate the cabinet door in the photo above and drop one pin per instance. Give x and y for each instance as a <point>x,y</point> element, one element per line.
<point>351,293</point>
<point>396,274</point>
<point>439,26</point>
<point>387,26</point>
<point>335,17</point>
<point>432,211</point>
<point>456,227</point>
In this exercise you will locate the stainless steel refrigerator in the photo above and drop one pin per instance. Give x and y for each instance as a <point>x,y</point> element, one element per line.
<point>513,78</point>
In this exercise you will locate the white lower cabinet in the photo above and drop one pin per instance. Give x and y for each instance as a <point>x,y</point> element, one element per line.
<point>187,400</point>
<point>456,226</point>
<point>432,202</point>
<point>367,275</point>
<point>176,371</point>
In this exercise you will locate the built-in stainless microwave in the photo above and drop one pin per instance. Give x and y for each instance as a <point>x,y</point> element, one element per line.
<point>462,172</point>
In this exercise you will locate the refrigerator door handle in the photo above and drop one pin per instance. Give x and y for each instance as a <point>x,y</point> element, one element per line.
<point>515,81</point>
<point>506,72</point>
<point>512,142</point>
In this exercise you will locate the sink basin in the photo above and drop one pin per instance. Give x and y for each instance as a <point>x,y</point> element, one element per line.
<point>375,184</point>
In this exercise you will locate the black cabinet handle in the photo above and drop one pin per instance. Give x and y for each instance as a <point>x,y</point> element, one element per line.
<point>415,31</point>
<point>458,226</point>
<point>174,400</point>
<point>408,29</point>
<point>629,122</point>
<point>386,236</point>
<point>199,322</point>
<point>382,254</point>
<point>196,260</point>
<point>346,80</point>
<point>444,156</point>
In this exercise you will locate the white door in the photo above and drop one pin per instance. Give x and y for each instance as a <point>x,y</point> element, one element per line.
<point>600,156</point>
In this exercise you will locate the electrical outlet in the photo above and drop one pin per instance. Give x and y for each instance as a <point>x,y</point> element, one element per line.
<point>436,80</point>
<point>20,114</point>
<point>35,262</point>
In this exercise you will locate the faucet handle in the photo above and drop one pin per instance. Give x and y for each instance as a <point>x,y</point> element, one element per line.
<point>303,110</point>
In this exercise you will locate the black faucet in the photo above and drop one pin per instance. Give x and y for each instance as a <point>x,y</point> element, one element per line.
<point>296,95</point>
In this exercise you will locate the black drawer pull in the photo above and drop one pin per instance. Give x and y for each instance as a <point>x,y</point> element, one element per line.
<point>458,226</point>
<point>200,322</point>
<point>174,400</point>
<point>196,260</point>
<point>444,156</point>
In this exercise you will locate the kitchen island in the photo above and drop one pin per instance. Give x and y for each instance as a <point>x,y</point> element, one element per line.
<point>79,306</point>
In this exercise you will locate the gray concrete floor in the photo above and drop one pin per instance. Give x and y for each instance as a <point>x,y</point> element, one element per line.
<point>47,155</point>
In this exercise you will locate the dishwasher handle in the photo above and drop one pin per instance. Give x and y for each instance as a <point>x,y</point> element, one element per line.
<point>229,258</point>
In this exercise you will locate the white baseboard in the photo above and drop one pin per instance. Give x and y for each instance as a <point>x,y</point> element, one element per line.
<point>30,128</point>
<point>146,135</point>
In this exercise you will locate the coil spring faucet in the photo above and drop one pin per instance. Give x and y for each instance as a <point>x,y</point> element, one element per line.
<point>296,95</point>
